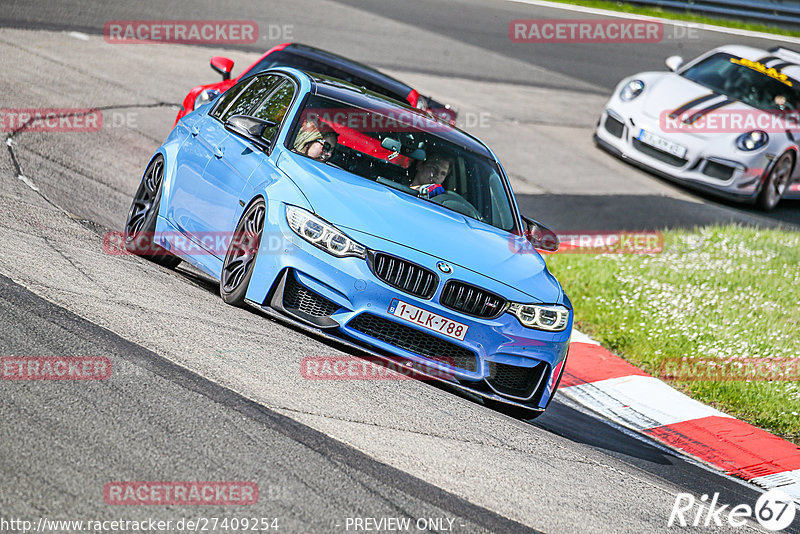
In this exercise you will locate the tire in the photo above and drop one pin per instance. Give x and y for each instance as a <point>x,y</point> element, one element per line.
<point>237,269</point>
<point>776,183</point>
<point>141,221</point>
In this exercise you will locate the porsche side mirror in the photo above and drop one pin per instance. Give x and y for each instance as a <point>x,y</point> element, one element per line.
<point>249,127</point>
<point>673,63</point>
<point>222,65</point>
<point>540,236</point>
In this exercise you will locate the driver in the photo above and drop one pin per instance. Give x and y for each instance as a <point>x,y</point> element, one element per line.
<point>431,173</point>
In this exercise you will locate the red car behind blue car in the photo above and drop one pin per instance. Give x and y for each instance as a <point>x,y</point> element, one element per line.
<point>317,61</point>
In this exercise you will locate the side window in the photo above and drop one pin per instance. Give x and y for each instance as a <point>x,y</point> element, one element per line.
<point>227,97</point>
<point>247,100</point>
<point>274,108</point>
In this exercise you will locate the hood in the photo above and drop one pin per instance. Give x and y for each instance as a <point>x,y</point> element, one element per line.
<point>351,202</point>
<point>672,92</point>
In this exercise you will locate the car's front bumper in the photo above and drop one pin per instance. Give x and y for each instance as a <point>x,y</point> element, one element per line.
<point>734,175</point>
<point>493,354</point>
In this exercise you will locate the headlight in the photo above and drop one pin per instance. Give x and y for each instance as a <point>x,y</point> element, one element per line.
<point>322,234</point>
<point>752,140</point>
<point>553,318</point>
<point>206,95</point>
<point>631,90</point>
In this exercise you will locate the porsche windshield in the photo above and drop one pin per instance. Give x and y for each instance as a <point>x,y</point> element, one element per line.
<point>748,81</point>
<point>406,150</point>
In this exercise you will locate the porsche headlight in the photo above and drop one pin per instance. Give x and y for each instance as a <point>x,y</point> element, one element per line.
<point>752,140</point>
<point>322,234</point>
<point>631,90</point>
<point>206,95</point>
<point>553,318</point>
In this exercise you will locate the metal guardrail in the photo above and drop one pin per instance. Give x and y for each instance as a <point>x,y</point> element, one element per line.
<point>784,13</point>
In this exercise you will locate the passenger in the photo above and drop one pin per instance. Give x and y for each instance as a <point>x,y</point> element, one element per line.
<point>316,141</point>
<point>431,173</point>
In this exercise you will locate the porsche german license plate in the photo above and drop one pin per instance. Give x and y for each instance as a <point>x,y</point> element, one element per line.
<point>665,145</point>
<point>428,320</point>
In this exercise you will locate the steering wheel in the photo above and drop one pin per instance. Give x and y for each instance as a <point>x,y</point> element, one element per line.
<point>455,202</point>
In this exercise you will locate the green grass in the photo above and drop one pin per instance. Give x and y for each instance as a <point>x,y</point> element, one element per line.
<point>720,292</point>
<point>687,16</point>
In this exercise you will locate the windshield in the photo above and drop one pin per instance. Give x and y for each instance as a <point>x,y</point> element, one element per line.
<point>399,148</point>
<point>748,81</point>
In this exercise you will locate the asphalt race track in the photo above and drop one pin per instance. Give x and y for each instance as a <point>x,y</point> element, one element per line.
<point>203,391</point>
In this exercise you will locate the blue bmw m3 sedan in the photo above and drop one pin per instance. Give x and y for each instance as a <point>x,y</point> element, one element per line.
<point>354,215</point>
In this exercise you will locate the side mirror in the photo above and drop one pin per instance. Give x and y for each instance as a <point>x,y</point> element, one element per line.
<point>249,127</point>
<point>222,65</point>
<point>540,236</point>
<point>673,63</point>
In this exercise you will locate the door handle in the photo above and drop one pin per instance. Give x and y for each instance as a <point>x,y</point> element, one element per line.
<point>195,131</point>
<point>219,152</point>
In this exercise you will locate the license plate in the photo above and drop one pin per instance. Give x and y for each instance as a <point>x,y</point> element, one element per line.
<point>662,144</point>
<point>428,320</point>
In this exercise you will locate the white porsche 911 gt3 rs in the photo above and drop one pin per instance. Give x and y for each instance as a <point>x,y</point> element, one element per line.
<point>727,122</point>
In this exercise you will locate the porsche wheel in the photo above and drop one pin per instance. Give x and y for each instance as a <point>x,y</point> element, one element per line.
<point>241,257</point>
<point>776,182</point>
<point>141,222</point>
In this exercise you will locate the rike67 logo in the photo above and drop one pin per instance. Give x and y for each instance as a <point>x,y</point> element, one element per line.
<point>774,510</point>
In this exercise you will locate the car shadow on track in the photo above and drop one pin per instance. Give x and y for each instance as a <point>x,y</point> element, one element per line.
<point>580,427</point>
<point>788,211</point>
<point>559,419</point>
<point>205,282</point>
<point>198,278</point>
<point>570,213</point>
